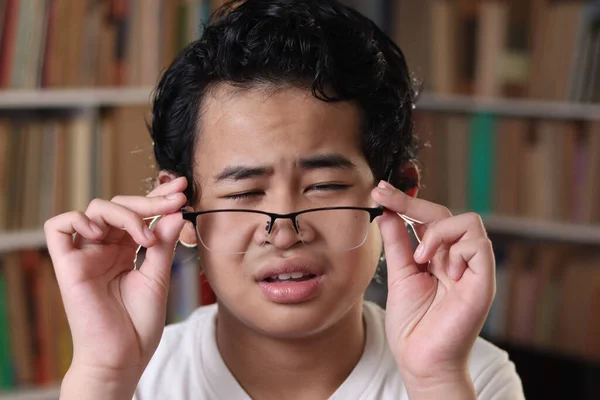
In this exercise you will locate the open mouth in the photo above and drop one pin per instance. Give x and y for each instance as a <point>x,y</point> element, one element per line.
<point>292,287</point>
<point>292,277</point>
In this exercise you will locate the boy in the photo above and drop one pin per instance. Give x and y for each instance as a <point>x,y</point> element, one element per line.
<point>285,131</point>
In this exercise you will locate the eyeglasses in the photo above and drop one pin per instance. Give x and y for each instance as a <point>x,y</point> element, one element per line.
<point>239,231</point>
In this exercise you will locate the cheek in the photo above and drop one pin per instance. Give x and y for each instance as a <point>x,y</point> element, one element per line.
<point>371,250</point>
<point>222,271</point>
<point>374,241</point>
<point>356,268</point>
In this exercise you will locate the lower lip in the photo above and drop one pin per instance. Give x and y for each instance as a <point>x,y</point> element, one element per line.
<point>291,292</point>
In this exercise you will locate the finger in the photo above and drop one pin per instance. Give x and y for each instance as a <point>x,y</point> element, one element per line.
<point>420,212</point>
<point>176,185</point>
<point>147,207</point>
<point>60,229</point>
<point>474,255</point>
<point>108,214</point>
<point>398,251</point>
<point>448,231</point>
<point>157,263</point>
<point>156,206</point>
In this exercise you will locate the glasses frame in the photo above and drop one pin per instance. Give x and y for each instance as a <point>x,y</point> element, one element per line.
<point>191,216</point>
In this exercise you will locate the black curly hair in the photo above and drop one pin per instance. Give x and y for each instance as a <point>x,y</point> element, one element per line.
<point>320,45</point>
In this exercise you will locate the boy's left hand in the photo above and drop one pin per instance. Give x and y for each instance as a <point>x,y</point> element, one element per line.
<point>437,299</point>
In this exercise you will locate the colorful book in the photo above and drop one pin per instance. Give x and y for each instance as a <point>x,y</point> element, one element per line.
<point>482,138</point>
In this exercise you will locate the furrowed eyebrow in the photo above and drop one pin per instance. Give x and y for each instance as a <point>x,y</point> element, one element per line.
<point>236,173</point>
<point>240,172</point>
<point>327,160</point>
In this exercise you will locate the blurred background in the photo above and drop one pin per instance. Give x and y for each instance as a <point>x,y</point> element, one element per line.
<point>508,118</point>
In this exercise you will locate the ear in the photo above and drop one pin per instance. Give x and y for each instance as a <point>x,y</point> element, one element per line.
<point>407,178</point>
<point>187,237</point>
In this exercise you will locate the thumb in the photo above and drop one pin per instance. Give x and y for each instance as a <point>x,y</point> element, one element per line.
<point>397,246</point>
<point>157,264</point>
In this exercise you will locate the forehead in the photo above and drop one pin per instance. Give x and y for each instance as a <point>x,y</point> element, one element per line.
<point>271,126</point>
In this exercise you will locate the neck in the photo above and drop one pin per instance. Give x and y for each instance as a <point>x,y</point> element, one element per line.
<point>269,367</point>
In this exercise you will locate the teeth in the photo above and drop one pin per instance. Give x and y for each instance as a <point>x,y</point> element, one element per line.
<point>293,275</point>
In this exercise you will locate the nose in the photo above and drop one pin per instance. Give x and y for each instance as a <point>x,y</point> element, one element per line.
<point>283,234</point>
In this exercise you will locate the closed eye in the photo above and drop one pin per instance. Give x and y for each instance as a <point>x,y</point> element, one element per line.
<point>245,195</point>
<point>329,187</point>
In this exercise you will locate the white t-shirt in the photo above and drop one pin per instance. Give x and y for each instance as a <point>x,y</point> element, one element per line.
<point>188,365</point>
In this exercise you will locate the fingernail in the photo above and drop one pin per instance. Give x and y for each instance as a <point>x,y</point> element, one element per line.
<point>384,191</point>
<point>453,274</point>
<point>420,250</point>
<point>384,184</point>
<point>148,233</point>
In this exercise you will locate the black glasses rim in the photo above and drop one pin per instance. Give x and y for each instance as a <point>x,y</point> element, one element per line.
<point>373,212</point>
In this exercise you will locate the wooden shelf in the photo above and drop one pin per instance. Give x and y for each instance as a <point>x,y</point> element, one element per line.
<point>546,230</point>
<point>50,393</point>
<point>522,227</point>
<point>113,97</point>
<point>74,98</point>
<point>508,107</point>
<point>13,241</point>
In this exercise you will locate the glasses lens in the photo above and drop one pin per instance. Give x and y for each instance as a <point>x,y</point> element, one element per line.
<point>338,229</point>
<point>231,232</point>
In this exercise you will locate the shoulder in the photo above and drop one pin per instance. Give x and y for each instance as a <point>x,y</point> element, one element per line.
<point>181,335</point>
<point>493,373</point>
<point>176,359</point>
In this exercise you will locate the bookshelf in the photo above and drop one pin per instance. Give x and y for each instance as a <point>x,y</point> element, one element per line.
<point>455,47</point>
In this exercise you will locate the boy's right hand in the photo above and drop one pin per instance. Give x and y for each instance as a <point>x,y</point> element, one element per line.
<point>116,314</point>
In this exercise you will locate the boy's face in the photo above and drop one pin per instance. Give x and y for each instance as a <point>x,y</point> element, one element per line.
<point>266,138</point>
